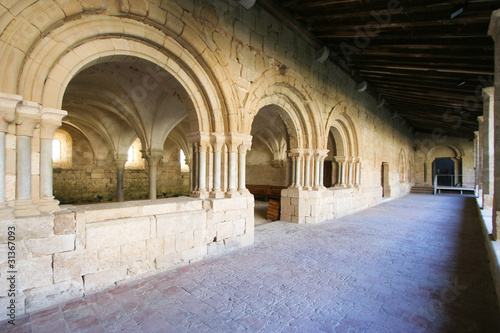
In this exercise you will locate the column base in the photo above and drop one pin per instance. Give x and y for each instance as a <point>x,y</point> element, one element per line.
<point>232,194</point>
<point>49,204</point>
<point>26,208</point>
<point>496,226</point>
<point>217,194</point>
<point>199,194</point>
<point>487,201</point>
<point>6,212</point>
<point>244,192</point>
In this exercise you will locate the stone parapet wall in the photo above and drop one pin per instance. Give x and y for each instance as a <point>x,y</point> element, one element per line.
<point>314,206</point>
<point>83,249</point>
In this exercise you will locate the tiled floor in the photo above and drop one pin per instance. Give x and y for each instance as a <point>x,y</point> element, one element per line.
<point>415,264</point>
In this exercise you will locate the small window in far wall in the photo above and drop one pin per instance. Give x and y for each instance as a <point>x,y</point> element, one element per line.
<point>56,149</point>
<point>130,157</point>
<point>182,158</point>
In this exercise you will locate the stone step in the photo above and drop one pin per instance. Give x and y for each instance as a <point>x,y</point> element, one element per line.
<point>422,189</point>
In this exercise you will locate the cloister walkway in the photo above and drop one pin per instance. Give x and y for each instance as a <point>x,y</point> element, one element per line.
<point>415,264</point>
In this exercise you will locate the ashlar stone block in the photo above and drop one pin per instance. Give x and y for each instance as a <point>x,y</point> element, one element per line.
<point>130,253</point>
<point>34,273</point>
<point>117,232</point>
<point>50,245</point>
<point>73,265</point>
<point>100,280</point>
<point>64,223</point>
<point>38,298</point>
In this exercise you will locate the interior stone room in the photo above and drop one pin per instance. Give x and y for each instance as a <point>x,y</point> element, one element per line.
<point>138,136</point>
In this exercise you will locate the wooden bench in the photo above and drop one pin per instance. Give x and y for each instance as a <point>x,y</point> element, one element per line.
<point>275,192</point>
<point>259,191</point>
<point>273,210</point>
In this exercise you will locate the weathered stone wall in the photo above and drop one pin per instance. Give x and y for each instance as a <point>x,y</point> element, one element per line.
<point>430,147</point>
<point>95,181</point>
<point>82,249</point>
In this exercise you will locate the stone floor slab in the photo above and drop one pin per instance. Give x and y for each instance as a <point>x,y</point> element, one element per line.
<point>415,264</point>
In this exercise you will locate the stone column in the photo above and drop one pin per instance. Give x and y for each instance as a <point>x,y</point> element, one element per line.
<point>217,143</point>
<point>202,158</point>
<point>494,31</point>
<point>153,156</point>
<point>121,159</point>
<point>357,171</point>
<point>195,170</point>
<point>341,180</point>
<point>307,171</point>
<point>27,118</point>
<point>316,170</point>
<point>321,170</point>
<point>293,183</point>
<point>488,147</point>
<point>476,161</point>
<point>298,173</point>
<point>7,116</point>
<point>480,166</point>
<point>51,120</point>
<point>242,151</point>
<point>233,141</point>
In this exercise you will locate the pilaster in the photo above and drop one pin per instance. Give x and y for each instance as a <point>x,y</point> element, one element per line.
<point>8,105</point>
<point>51,120</point>
<point>152,156</point>
<point>494,32</point>
<point>27,118</point>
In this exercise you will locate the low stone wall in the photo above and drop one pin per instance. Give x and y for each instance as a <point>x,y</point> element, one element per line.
<point>492,247</point>
<point>87,248</point>
<point>318,205</point>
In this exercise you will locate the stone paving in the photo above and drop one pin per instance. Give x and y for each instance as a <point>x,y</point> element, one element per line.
<point>415,264</point>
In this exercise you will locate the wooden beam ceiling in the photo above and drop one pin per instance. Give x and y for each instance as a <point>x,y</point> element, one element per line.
<point>428,66</point>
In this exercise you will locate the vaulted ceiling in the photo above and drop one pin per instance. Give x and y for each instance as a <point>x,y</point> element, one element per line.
<point>425,60</point>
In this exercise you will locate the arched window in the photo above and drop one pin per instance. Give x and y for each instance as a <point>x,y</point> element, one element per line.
<point>62,149</point>
<point>130,156</point>
<point>134,156</point>
<point>182,158</point>
<point>56,149</point>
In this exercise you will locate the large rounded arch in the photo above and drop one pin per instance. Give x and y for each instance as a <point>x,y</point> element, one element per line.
<point>340,117</point>
<point>54,60</point>
<point>292,96</point>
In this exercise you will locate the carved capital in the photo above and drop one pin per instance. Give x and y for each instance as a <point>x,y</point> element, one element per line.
<point>51,120</point>
<point>27,118</point>
<point>8,105</point>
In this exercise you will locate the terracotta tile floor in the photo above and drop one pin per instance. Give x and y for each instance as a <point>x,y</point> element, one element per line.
<point>416,264</point>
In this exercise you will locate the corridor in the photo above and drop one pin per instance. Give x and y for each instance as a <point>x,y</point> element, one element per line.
<point>414,264</point>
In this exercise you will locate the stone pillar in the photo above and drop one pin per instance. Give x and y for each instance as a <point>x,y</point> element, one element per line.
<point>242,151</point>
<point>51,120</point>
<point>341,179</point>
<point>357,171</point>
<point>349,171</point>
<point>307,167</point>
<point>476,161</point>
<point>121,159</point>
<point>195,170</point>
<point>494,31</point>
<point>202,158</point>
<point>298,173</point>
<point>321,170</point>
<point>8,105</point>
<point>488,147</point>
<point>293,183</point>
<point>480,166</point>
<point>153,156</point>
<point>27,118</point>
<point>316,170</point>
<point>217,143</point>
<point>201,144</point>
